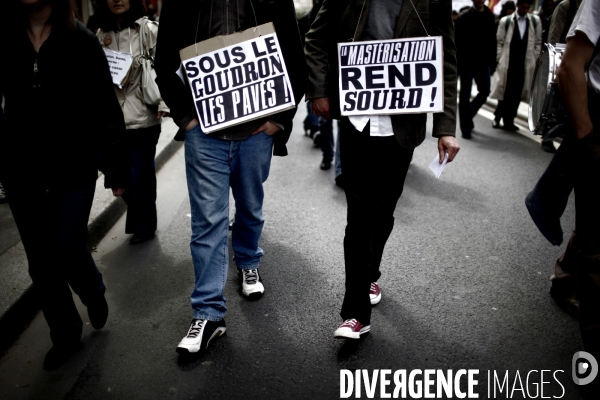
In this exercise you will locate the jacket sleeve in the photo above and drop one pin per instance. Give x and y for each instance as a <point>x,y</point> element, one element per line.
<point>458,38</point>
<point>109,123</point>
<point>441,24</point>
<point>537,45</point>
<point>557,25</point>
<point>492,42</point>
<point>284,19</point>
<point>318,41</point>
<point>500,38</point>
<point>173,90</point>
<point>152,36</point>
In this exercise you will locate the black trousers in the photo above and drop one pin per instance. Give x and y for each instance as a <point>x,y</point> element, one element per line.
<point>141,195</point>
<point>374,173</point>
<point>586,243</point>
<point>53,227</point>
<point>467,109</point>
<point>507,109</point>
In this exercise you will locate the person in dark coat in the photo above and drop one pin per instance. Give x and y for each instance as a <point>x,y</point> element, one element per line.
<point>62,122</point>
<point>475,33</point>
<point>376,149</point>
<point>238,157</point>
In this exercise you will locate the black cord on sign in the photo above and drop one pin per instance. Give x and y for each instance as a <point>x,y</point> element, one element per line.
<point>359,17</point>
<point>237,4</point>
<point>420,20</point>
<point>197,26</point>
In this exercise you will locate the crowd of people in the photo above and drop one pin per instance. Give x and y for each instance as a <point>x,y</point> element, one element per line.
<point>505,48</point>
<point>114,126</point>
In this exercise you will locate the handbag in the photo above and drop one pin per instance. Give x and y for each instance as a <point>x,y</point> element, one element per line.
<point>150,92</point>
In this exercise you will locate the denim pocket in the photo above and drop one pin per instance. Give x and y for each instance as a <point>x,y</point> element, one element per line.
<point>192,129</point>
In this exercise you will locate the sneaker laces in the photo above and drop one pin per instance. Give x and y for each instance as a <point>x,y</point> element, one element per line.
<point>373,286</point>
<point>196,327</point>
<point>250,276</point>
<point>350,323</point>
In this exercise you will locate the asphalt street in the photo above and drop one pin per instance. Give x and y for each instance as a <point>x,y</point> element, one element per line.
<point>465,286</point>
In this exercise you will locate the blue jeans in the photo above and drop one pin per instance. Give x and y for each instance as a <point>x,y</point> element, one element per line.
<point>213,166</point>
<point>325,126</point>
<point>338,157</point>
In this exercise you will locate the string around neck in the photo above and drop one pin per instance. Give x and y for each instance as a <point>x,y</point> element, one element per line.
<point>420,20</point>
<point>359,18</point>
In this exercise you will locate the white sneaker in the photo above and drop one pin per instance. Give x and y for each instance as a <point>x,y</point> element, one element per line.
<point>200,334</point>
<point>251,283</point>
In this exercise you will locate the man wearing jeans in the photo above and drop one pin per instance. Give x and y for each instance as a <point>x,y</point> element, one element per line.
<point>238,157</point>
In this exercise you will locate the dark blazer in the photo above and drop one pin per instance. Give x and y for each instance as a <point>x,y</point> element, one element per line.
<point>64,121</point>
<point>184,22</point>
<point>338,20</point>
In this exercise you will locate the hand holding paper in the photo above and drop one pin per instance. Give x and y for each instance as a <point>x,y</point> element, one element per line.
<point>448,144</point>
<point>438,167</point>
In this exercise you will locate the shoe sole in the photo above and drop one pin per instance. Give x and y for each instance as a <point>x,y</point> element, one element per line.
<point>254,292</point>
<point>352,335</point>
<point>195,349</point>
<point>376,300</point>
<point>253,295</point>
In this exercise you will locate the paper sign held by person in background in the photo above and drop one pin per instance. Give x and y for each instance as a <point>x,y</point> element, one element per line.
<point>119,64</point>
<point>237,78</point>
<point>397,76</point>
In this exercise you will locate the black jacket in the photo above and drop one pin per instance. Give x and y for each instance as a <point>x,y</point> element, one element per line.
<point>185,22</point>
<point>340,21</point>
<point>63,121</point>
<point>475,37</point>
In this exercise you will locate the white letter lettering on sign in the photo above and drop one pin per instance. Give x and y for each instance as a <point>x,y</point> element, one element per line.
<point>397,76</point>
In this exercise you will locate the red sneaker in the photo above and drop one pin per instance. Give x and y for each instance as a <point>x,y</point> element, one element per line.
<point>375,293</point>
<point>351,329</point>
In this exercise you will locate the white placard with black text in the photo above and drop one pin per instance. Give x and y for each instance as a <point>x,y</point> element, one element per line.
<point>119,64</point>
<point>396,76</point>
<point>239,82</point>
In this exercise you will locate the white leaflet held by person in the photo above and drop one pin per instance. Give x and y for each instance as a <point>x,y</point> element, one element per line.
<point>396,76</point>
<point>436,167</point>
<point>119,64</point>
<point>237,78</point>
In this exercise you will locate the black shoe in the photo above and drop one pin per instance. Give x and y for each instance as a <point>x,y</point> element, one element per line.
<point>325,165</point>
<point>138,238</point>
<point>466,134</point>
<point>548,146</point>
<point>339,181</point>
<point>511,128</point>
<point>317,139</point>
<point>98,312</point>
<point>496,124</point>
<point>200,334</point>
<point>60,354</point>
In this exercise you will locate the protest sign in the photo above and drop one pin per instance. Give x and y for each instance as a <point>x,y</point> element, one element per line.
<point>397,76</point>
<point>119,64</point>
<point>237,78</point>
